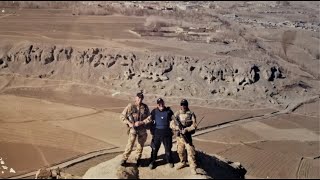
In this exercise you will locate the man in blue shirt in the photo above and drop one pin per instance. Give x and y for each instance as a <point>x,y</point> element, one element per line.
<point>160,117</point>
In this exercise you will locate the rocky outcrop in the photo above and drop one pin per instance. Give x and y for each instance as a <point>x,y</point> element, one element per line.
<point>54,174</point>
<point>3,63</point>
<point>272,73</point>
<point>209,166</point>
<point>166,74</point>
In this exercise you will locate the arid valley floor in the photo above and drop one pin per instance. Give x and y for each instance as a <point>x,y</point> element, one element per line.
<point>249,69</point>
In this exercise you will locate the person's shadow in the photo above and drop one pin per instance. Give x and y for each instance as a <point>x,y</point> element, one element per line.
<point>212,166</point>
<point>219,168</point>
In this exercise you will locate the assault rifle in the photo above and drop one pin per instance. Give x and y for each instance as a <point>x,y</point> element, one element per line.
<point>131,119</point>
<point>178,122</point>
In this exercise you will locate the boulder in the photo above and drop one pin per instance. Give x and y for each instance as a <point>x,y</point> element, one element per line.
<point>164,78</point>
<point>239,80</point>
<point>180,79</point>
<point>229,79</point>
<point>47,56</point>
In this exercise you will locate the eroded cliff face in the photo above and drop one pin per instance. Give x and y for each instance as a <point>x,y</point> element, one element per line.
<point>157,74</point>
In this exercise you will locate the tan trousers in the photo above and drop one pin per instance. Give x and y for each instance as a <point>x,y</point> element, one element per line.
<point>181,147</point>
<point>133,135</point>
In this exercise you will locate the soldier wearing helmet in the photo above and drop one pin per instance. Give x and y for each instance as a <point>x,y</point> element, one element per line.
<point>187,119</point>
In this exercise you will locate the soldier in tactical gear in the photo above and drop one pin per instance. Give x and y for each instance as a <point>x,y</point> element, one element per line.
<point>133,115</point>
<point>187,120</point>
<point>160,118</point>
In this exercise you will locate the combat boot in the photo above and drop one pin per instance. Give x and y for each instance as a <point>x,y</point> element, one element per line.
<point>152,165</point>
<point>170,165</point>
<point>181,165</point>
<point>153,159</point>
<point>123,162</point>
<point>194,171</point>
<point>169,160</point>
<point>138,162</point>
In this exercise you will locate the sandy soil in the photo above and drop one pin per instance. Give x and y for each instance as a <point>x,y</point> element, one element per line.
<point>211,147</point>
<point>263,163</point>
<point>231,135</point>
<point>77,27</point>
<point>24,157</point>
<point>310,109</point>
<point>105,126</point>
<point>309,168</point>
<point>299,121</point>
<point>268,132</point>
<point>308,149</point>
<point>88,101</point>
<point>81,168</point>
<point>19,109</point>
<point>31,131</point>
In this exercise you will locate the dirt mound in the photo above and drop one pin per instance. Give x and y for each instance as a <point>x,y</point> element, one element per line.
<point>208,167</point>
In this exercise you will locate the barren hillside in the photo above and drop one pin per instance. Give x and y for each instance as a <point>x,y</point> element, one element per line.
<point>238,61</point>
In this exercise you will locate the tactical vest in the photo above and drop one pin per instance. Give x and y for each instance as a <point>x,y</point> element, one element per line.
<point>162,119</point>
<point>139,114</point>
<point>185,118</point>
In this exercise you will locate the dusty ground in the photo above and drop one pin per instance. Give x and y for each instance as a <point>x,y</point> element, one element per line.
<point>66,74</point>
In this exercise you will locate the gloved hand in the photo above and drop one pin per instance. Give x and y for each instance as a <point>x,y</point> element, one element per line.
<point>138,123</point>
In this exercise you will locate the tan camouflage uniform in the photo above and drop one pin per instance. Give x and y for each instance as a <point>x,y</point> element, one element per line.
<point>140,133</point>
<point>188,120</point>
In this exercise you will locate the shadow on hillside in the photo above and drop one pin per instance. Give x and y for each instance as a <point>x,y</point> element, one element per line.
<point>212,166</point>
<point>220,169</point>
